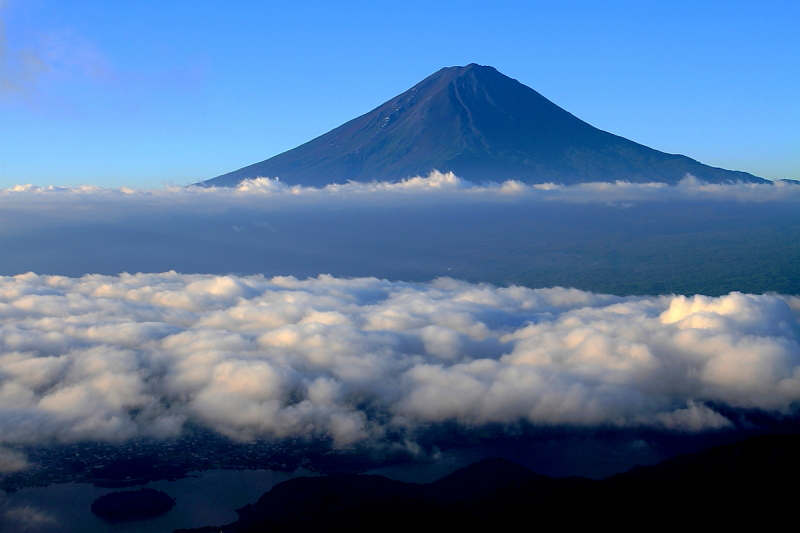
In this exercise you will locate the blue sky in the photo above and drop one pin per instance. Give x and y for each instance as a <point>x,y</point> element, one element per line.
<point>145,93</point>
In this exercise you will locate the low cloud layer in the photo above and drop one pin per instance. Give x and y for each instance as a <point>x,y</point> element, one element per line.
<point>115,357</point>
<point>621,238</point>
<point>439,185</point>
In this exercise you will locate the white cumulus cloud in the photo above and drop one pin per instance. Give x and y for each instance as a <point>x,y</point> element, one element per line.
<point>438,186</point>
<point>113,357</point>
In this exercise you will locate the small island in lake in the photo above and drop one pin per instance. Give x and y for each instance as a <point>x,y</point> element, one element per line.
<point>132,504</point>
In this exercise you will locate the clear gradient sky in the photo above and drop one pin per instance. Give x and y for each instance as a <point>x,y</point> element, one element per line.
<point>145,93</point>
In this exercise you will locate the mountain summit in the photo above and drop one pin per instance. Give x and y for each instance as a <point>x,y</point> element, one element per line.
<point>481,125</point>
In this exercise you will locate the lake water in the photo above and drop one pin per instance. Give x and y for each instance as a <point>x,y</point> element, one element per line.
<point>211,497</point>
<point>206,498</point>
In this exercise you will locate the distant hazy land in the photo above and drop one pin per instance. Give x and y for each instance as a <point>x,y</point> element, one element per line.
<point>620,247</point>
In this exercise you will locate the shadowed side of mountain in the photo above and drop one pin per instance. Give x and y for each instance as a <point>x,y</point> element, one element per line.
<point>750,482</point>
<point>361,502</point>
<point>482,479</point>
<point>766,455</point>
<point>482,126</point>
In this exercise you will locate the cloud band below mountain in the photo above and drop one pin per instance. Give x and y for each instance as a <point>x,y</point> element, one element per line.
<point>114,357</point>
<point>437,186</point>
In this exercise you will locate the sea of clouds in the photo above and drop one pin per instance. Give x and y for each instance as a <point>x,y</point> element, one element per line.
<point>116,357</point>
<point>120,356</point>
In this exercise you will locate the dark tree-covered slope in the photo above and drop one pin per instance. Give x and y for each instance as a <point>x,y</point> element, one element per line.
<point>747,483</point>
<point>481,125</point>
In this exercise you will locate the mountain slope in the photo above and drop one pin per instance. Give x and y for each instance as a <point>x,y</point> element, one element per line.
<point>481,125</point>
<point>749,482</point>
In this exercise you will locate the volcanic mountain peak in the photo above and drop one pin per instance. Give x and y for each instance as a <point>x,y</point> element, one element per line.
<point>481,125</point>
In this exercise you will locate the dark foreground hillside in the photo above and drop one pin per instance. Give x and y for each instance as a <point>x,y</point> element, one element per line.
<point>751,482</point>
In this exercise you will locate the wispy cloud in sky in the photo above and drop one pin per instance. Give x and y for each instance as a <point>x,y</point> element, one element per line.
<point>52,55</point>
